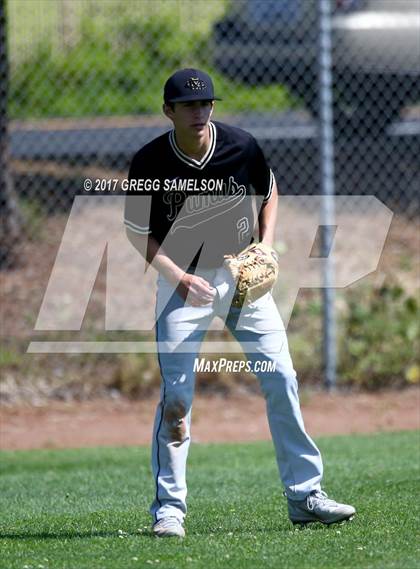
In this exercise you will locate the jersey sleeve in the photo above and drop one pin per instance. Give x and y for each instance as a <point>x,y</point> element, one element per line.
<point>262,177</point>
<point>137,207</point>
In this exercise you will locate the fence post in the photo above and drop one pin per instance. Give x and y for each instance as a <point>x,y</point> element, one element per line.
<point>326,138</point>
<point>10,218</point>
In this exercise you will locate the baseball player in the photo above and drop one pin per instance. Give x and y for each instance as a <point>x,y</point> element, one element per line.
<point>203,176</point>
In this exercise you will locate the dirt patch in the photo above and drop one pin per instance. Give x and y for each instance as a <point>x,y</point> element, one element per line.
<point>36,378</point>
<point>214,419</point>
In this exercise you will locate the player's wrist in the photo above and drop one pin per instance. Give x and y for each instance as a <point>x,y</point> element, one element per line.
<point>267,241</point>
<point>175,275</point>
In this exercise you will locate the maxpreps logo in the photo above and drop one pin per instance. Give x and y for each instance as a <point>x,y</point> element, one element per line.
<point>195,210</point>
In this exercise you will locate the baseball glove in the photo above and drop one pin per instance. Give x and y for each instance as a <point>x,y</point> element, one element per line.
<point>255,270</point>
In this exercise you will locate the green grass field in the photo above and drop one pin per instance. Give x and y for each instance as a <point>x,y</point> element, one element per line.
<point>87,509</point>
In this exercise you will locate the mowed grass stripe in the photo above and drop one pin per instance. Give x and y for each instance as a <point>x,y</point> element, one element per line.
<point>87,508</point>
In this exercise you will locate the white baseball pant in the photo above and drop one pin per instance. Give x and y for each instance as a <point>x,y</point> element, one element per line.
<point>180,329</point>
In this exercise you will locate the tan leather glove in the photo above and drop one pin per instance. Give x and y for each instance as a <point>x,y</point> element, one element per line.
<point>255,270</point>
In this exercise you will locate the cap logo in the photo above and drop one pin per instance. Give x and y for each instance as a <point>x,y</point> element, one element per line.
<point>195,84</point>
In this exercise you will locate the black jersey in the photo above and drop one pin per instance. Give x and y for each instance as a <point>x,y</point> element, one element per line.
<point>199,206</point>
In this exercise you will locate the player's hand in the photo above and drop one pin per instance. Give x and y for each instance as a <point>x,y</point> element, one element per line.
<point>196,290</point>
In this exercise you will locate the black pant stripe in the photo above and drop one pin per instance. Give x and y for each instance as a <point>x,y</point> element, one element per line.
<point>160,422</point>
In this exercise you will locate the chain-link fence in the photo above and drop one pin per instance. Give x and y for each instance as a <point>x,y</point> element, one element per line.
<point>85,84</point>
<point>74,61</point>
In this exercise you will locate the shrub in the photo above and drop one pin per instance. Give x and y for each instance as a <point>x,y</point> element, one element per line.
<point>118,67</point>
<point>379,337</point>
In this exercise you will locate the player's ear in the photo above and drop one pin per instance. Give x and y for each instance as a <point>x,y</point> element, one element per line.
<point>168,110</point>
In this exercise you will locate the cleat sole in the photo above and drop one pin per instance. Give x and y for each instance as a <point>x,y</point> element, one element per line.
<point>304,523</point>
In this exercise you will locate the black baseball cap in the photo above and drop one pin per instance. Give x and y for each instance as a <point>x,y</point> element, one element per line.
<point>189,85</point>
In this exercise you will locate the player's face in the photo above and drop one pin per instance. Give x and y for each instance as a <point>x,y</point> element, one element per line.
<point>191,117</point>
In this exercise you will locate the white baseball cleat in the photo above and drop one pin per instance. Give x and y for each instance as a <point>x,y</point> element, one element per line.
<point>168,527</point>
<point>317,507</point>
